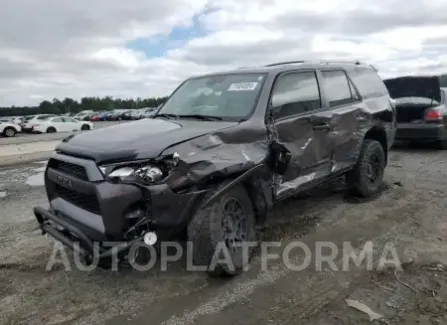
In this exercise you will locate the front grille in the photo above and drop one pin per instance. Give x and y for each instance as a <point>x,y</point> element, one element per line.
<point>87,202</point>
<point>69,168</point>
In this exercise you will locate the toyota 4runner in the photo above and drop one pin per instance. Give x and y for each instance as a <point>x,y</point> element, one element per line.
<point>216,157</point>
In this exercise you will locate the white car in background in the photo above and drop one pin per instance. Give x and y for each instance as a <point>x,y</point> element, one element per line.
<point>29,122</point>
<point>62,124</point>
<point>9,129</point>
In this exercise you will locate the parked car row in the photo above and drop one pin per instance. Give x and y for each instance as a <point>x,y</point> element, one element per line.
<point>42,123</point>
<point>48,123</point>
<point>116,115</point>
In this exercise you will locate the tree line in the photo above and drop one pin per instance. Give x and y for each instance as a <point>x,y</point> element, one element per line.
<point>69,105</point>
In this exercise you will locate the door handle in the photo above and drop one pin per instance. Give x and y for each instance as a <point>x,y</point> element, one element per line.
<point>322,127</point>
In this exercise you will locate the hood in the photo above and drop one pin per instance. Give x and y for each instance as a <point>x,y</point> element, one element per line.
<point>142,139</point>
<point>427,87</point>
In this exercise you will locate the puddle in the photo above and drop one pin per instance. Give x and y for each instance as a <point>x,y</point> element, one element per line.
<point>40,169</point>
<point>3,194</point>
<point>36,180</point>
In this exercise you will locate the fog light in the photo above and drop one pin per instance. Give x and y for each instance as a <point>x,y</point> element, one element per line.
<point>150,238</point>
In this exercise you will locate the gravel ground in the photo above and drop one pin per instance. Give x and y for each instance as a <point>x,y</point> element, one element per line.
<point>407,215</point>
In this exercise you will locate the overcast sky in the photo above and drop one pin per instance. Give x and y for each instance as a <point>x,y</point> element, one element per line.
<point>75,48</point>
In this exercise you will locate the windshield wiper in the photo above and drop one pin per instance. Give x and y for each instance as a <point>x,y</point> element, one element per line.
<point>202,117</point>
<point>167,115</point>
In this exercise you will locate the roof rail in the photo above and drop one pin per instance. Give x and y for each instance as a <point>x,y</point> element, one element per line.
<point>282,63</point>
<point>247,67</point>
<point>356,62</point>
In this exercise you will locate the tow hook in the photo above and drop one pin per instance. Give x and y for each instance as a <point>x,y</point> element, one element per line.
<point>150,238</point>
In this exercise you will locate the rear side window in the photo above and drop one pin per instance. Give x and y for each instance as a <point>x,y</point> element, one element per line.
<point>295,93</point>
<point>338,88</point>
<point>368,82</point>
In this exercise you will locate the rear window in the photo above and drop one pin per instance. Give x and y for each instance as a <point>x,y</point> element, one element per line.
<point>368,82</point>
<point>339,90</point>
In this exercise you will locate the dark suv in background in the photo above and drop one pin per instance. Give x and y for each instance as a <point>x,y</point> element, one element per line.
<point>421,110</point>
<point>216,157</point>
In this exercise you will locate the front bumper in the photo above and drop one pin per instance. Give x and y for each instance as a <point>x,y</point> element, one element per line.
<point>420,132</point>
<point>86,208</point>
<point>70,235</point>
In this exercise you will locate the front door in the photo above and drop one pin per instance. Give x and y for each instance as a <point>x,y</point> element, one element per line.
<point>303,127</point>
<point>70,124</point>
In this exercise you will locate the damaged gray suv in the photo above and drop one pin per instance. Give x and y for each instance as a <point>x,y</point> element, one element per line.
<point>215,158</point>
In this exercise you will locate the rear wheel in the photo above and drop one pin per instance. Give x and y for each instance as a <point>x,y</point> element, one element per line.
<point>9,132</point>
<point>219,230</point>
<point>367,176</point>
<point>85,127</point>
<point>51,130</point>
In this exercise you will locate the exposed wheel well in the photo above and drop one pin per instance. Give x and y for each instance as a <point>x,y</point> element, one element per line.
<point>379,134</point>
<point>258,188</point>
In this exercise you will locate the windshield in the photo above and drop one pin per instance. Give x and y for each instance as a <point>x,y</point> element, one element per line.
<point>44,117</point>
<point>230,97</point>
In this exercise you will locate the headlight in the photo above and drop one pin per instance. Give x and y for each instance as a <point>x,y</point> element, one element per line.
<point>145,172</point>
<point>148,174</point>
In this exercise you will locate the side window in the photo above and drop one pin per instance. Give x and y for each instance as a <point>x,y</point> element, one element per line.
<point>295,93</point>
<point>57,119</point>
<point>338,88</point>
<point>368,82</point>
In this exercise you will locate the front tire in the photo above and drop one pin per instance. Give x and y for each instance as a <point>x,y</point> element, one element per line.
<point>367,176</point>
<point>9,132</point>
<point>51,130</point>
<point>219,229</point>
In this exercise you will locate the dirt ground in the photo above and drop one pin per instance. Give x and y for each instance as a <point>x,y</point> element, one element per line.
<point>408,215</point>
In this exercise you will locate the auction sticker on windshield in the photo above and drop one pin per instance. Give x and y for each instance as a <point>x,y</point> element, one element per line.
<point>243,86</point>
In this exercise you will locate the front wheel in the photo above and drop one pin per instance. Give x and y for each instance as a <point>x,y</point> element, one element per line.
<point>51,130</point>
<point>367,176</point>
<point>9,132</point>
<point>219,231</point>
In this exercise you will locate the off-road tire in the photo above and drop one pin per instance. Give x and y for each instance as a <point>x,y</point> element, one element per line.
<point>9,132</point>
<point>51,130</point>
<point>357,178</point>
<point>85,127</point>
<point>206,230</point>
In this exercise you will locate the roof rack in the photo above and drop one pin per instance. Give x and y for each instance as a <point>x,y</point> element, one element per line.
<point>283,63</point>
<point>356,62</point>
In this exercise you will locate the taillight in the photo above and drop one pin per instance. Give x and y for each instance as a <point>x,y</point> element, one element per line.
<point>433,115</point>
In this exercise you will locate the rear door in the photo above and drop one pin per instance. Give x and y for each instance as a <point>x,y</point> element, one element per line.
<point>303,126</point>
<point>343,101</point>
